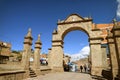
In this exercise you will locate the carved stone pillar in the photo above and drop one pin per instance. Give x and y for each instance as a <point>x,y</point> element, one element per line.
<point>27,50</point>
<point>113,56</point>
<point>116,36</point>
<point>26,53</point>
<point>56,56</point>
<point>36,64</point>
<point>96,56</point>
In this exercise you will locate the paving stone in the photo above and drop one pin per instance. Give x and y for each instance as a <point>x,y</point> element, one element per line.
<point>63,76</point>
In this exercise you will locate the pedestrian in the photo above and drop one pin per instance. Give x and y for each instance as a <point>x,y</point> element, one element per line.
<point>85,67</point>
<point>81,68</point>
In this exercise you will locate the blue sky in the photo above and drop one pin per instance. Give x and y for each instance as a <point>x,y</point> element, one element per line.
<point>16,16</point>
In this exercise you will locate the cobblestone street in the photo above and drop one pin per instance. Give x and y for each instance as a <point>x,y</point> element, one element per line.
<point>63,76</point>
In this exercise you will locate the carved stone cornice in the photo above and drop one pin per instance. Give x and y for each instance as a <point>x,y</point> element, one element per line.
<point>95,29</point>
<point>58,41</point>
<point>95,43</point>
<point>70,22</point>
<point>57,46</point>
<point>96,38</point>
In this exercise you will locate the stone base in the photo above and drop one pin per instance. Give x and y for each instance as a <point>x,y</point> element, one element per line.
<point>96,71</point>
<point>57,69</point>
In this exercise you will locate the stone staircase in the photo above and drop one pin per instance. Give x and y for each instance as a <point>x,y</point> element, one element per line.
<point>32,73</point>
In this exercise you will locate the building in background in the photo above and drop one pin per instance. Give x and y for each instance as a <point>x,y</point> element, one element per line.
<point>5,51</point>
<point>66,59</point>
<point>44,59</point>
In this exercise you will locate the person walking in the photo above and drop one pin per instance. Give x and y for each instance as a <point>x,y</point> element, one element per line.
<point>85,67</point>
<point>81,68</point>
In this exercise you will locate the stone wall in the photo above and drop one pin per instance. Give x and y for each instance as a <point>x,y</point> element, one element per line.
<point>12,75</point>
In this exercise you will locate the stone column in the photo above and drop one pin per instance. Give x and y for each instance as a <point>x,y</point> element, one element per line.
<point>113,56</point>
<point>116,36</point>
<point>26,53</point>
<point>56,56</point>
<point>36,64</point>
<point>104,57</point>
<point>96,56</point>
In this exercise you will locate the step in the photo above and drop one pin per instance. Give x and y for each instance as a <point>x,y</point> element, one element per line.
<point>33,75</point>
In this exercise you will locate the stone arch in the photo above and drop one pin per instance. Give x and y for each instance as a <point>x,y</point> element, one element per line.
<point>73,29</point>
<point>71,23</point>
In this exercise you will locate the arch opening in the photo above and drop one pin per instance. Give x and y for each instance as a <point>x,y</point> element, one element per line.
<point>76,49</point>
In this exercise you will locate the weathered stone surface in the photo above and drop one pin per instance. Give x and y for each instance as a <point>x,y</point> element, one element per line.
<point>27,51</point>
<point>104,57</point>
<point>76,22</point>
<point>113,57</point>
<point>36,64</point>
<point>12,75</point>
<point>116,36</point>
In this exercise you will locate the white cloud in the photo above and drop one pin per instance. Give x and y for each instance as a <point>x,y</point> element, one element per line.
<point>81,54</point>
<point>118,9</point>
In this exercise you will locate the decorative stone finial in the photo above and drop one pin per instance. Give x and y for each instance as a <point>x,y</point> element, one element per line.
<point>54,31</point>
<point>58,20</point>
<point>28,38</point>
<point>38,35</point>
<point>29,33</point>
<point>38,40</point>
<point>29,29</point>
